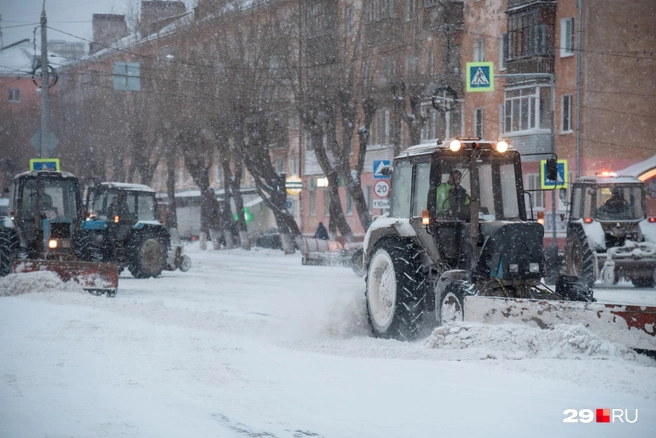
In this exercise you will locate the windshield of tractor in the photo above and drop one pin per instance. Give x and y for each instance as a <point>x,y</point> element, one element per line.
<point>129,205</point>
<point>55,199</point>
<point>498,192</point>
<point>609,203</point>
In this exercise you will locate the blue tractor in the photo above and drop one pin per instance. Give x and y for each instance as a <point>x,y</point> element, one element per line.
<point>123,222</point>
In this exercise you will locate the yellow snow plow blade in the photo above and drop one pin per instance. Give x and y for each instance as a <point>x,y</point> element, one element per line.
<point>630,325</point>
<point>94,277</point>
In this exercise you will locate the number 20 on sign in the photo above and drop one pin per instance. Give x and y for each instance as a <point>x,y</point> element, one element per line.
<point>381,189</point>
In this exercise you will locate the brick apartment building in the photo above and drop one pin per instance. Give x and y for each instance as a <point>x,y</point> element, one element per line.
<point>589,60</point>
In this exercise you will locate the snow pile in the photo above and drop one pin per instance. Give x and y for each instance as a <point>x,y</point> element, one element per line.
<point>514,341</point>
<point>40,281</point>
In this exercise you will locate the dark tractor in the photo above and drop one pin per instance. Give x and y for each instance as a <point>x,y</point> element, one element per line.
<point>44,231</point>
<point>125,228</point>
<point>457,228</point>
<point>609,235</point>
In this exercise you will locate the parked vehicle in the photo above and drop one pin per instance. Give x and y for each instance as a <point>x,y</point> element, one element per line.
<point>45,232</point>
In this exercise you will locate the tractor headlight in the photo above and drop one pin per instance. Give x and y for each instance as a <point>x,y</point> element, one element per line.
<point>502,147</point>
<point>534,268</point>
<point>53,243</point>
<point>455,145</point>
<point>513,268</point>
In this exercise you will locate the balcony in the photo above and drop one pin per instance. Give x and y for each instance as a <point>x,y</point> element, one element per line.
<point>516,4</point>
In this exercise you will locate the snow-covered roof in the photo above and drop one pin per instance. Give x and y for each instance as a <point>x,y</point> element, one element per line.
<point>609,180</point>
<point>34,173</point>
<point>640,168</point>
<point>18,59</point>
<point>427,148</point>
<point>127,186</point>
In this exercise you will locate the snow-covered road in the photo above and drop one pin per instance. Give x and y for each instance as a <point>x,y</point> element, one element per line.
<point>251,344</point>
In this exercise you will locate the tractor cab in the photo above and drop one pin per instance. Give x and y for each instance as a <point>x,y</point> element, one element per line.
<point>122,203</point>
<point>607,197</point>
<point>46,205</point>
<point>465,198</point>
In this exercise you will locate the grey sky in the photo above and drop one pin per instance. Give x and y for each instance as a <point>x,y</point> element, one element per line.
<point>20,17</point>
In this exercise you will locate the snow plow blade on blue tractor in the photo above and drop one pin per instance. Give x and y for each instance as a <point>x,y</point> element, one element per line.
<point>457,245</point>
<point>44,232</point>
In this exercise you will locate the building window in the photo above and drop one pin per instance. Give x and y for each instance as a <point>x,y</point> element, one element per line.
<point>430,62</point>
<point>293,165</point>
<point>308,141</point>
<point>349,203</point>
<point>14,95</point>
<point>566,37</point>
<point>367,196</point>
<point>529,35</point>
<point>524,109</point>
<point>430,129</point>
<point>503,51</point>
<point>388,67</point>
<point>348,19</point>
<point>217,174</point>
<point>428,3</point>
<point>410,10</point>
<point>326,202</point>
<point>479,50</point>
<point>377,10</point>
<point>381,131</point>
<point>127,76</point>
<point>411,64</point>
<point>280,166</point>
<point>478,122</point>
<point>566,125</point>
<point>313,202</point>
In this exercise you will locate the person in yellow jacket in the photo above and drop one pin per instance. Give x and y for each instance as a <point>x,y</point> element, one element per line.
<point>451,197</point>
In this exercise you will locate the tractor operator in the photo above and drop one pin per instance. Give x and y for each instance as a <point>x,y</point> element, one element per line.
<point>616,204</point>
<point>451,197</point>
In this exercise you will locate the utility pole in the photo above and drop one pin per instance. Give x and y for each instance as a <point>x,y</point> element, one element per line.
<point>45,85</point>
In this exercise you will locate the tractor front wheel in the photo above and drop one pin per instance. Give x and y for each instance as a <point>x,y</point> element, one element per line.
<point>8,248</point>
<point>396,291</point>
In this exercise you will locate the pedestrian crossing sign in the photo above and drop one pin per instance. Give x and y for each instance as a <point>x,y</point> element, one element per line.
<point>480,76</point>
<point>561,179</point>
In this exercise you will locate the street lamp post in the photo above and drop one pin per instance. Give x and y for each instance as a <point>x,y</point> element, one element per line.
<point>45,85</point>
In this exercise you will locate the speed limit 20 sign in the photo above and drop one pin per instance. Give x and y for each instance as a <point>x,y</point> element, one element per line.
<point>381,189</point>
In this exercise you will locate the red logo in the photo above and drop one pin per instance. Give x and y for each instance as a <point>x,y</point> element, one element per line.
<point>603,415</point>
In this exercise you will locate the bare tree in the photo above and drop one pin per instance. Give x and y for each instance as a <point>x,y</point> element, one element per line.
<point>252,45</point>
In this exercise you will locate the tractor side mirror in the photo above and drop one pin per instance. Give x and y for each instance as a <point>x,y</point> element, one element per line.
<point>552,169</point>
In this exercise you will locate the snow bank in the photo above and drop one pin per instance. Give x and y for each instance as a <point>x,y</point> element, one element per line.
<point>515,341</point>
<point>43,281</point>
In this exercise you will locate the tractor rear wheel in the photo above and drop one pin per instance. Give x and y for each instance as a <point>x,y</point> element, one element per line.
<point>146,256</point>
<point>8,248</point>
<point>580,260</point>
<point>396,290</point>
